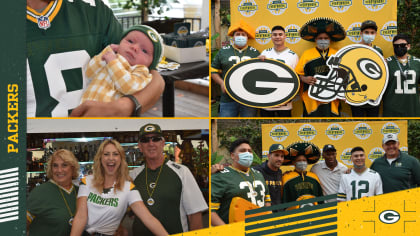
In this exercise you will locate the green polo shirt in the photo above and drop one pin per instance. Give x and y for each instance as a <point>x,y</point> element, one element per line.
<point>403,173</point>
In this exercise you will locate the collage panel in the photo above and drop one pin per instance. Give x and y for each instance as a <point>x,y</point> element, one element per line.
<point>157,168</point>
<point>112,58</point>
<point>284,176</point>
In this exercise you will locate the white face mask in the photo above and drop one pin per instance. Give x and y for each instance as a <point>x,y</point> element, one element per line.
<point>368,38</point>
<point>240,41</point>
<point>323,43</point>
<point>245,159</point>
<point>301,165</point>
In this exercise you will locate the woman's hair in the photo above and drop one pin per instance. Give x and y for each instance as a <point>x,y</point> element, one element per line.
<point>68,157</point>
<point>99,172</point>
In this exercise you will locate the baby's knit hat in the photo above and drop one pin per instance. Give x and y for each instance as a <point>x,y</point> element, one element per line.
<point>154,37</point>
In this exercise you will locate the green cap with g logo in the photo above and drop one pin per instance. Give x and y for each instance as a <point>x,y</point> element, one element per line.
<point>150,129</point>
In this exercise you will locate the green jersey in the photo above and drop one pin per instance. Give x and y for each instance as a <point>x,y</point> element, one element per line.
<point>296,185</point>
<point>48,208</point>
<point>229,56</point>
<point>230,183</point>
<point>60,42</point>
<point>401,97</point>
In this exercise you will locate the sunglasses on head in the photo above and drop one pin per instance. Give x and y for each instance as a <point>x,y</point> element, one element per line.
<point>400,45</point>
<point>153,138</point>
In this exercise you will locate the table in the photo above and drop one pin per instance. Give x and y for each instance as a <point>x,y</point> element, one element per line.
<point>186,71</point>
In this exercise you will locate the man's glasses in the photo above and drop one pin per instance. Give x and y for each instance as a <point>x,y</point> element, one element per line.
<point>154,139</point>
<point>401,45</point>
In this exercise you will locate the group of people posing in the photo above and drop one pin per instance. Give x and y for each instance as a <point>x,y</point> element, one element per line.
<point>266,185</point>
<point>400,98</point>
<point>163,195</point>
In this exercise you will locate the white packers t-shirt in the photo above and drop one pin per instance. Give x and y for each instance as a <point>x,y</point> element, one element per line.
<point>355,185</point>
<point>289,58</point>
<point>106,210</point>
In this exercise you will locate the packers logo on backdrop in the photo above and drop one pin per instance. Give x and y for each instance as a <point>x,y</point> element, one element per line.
<point>389,30</point>
<point>362,131</point>
<point>345,156</point>
<point>279,133</point>
<point>277,7</point>
<point>263,34</point>
<point>335,131</point>
<point>389,217</point>
<point>247,8</point>
<point>292,34</point>
<point>353,32</point>
<point>374,5</point>
<point>390,128</point>
<point>307,132</point>
<point>340,6</point>
<point>358,74</point>
<point>375,153</point>
<point>404,149</point>
<point>261,84</point>
<point>308,6</point>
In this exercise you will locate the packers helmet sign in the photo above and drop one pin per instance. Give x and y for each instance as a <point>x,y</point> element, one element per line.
<point>358,74</point>
<point>261,84</point>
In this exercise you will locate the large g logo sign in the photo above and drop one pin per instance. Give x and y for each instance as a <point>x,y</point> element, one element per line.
<point>261,84</point>
<point>389,217</point>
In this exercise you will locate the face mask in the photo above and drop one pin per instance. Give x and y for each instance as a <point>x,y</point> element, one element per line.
<point>301,165</point>
<point>399,52</point>
<point>245,159</point>
<point>240,40</point>
<point>368,38</point>
<point>323,43</point>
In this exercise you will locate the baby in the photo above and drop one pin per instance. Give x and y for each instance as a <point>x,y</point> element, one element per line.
<point>124,69</point>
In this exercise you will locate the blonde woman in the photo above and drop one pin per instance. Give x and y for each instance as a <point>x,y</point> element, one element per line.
<point>104,196</point>
<point>52,205</point>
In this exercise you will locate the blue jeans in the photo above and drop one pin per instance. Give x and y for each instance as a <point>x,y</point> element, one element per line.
<point>233,109</point>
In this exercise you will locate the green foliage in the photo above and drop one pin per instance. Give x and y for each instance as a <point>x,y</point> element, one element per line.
<point>225,16</point>
<point>159,5</point>
<point>216,158</point>
<point>414,138</point>
<point>409,22</point>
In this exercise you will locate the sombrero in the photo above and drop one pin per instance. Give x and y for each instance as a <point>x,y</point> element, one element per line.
<point>308,149</point>
<point>319,25</point>
<point>243,26</point>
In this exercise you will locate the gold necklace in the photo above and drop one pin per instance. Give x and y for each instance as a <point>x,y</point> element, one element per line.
<point>153,185</point>
<point>67,205</point>
<point>234,51</point>
<point>251,187</point>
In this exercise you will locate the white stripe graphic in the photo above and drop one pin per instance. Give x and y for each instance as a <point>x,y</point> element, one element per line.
<point>9,195</point>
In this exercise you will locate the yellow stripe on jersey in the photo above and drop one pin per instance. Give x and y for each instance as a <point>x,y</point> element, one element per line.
<point>214,70</point>
<point>214,206</point>
<point>50,11</point>
<point>132,186</point>
<point>267,198</point>
<point>83,180</point>
<point>29,217</point>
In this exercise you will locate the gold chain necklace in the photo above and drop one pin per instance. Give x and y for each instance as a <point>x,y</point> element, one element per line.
<point>153,185</point>
<point>234,51</point>
<point>67,205</point>
<point>251,187</point>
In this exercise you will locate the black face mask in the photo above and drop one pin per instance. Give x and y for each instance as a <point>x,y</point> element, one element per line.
<point>399,52</point>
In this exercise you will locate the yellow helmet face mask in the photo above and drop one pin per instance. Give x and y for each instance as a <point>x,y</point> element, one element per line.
<point>358,74</point>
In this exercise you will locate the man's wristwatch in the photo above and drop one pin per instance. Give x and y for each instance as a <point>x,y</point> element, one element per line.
<point>137,106</point>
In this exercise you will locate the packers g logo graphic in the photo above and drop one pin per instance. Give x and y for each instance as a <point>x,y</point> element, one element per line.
<point>277,7</point>
<point>261,84</point>
<point>182,31</point>
<point>292,34</point>
<point>307,132</point>
<point>153,36</point>
<point>279,133</point>
<point>374,5</point>
<point>247,8</point>
<point>340,6</point>
<point>308,6</point>
<point>353,32</point>
<point>389,217</point>
<point>375,153</point>
<point>345,156</point>
<point>390,128</point>
<point>362,131</point>
<point>263,34</point>
<point>358,74</point>
<point>149,128</point>
<point>335,131</point>
<point>389,30</point>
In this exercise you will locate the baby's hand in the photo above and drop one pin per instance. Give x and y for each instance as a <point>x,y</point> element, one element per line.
<point>109,56</point>
<point>114,47</point>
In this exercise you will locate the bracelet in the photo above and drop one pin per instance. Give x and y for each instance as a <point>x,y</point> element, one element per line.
<point>137,106</point>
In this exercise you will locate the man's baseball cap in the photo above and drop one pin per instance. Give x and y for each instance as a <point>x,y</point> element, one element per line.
<point>150,129</point>
<point>390,137</point>
<point>278,147</point>
<point>369,24</point>
<point>329,147</point>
